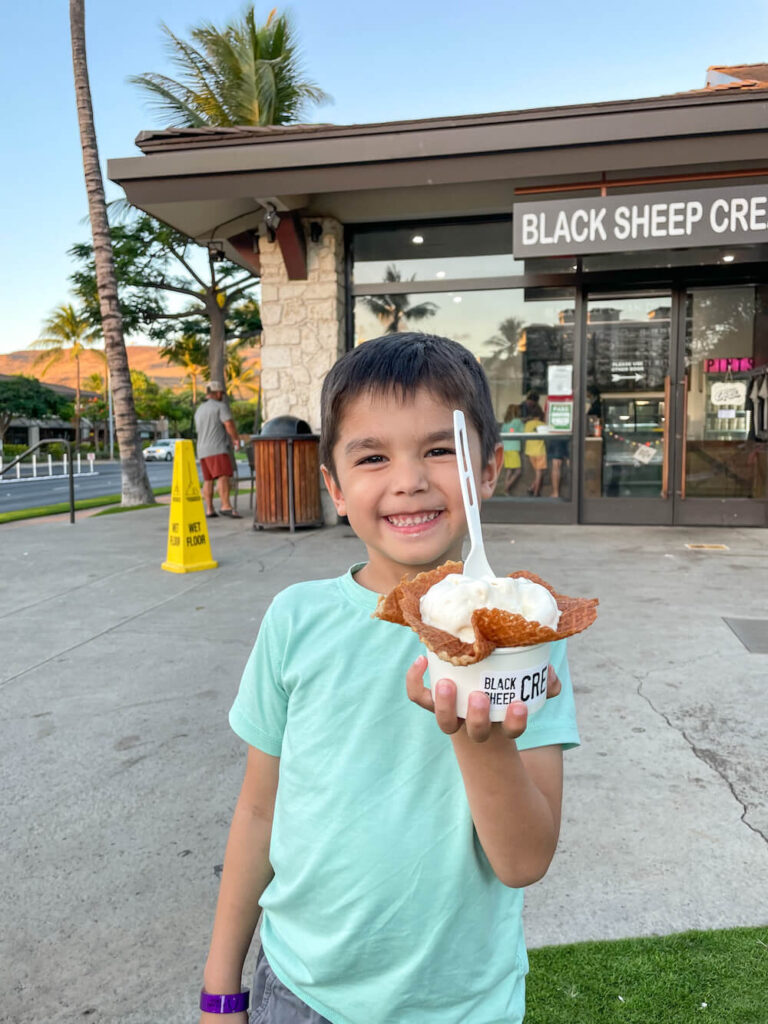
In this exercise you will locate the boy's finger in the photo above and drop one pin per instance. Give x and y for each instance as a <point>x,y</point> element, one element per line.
<point>445,706</point>
<point>414,685</point>
<point>515,720</point>
<point>478,721</point>
<point>553,683</point>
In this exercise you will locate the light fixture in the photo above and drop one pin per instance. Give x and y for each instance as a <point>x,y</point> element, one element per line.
<point>271,221</point>
<point>215,252</point>
<point>315,230</point>
<point>729,257</point>
<point>457,298</point>
<point>440,273</point>
<point>418,239</point>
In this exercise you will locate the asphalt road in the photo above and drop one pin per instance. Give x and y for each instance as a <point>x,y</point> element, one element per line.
<point>29,493</point>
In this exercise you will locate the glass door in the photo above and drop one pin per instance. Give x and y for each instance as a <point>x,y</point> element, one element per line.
<point>628,459</point>
<point>723,407</point>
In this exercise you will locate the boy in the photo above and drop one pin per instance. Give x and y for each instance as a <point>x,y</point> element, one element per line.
<point>388,860</point>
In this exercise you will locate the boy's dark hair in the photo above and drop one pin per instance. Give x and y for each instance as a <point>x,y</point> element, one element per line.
<point>400,364</point>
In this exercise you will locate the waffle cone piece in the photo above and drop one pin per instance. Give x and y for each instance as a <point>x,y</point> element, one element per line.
<point>493,627</point>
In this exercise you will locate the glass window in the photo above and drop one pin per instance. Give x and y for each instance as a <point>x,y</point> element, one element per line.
<point>625,453</point>
<point>427,252</point>
<point>726,409</point>
<point>526,348</point>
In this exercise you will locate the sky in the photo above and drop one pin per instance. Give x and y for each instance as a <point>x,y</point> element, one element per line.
<point>380,62</point>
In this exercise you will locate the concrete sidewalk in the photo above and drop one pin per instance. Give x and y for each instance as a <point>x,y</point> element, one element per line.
<point>120,772</point>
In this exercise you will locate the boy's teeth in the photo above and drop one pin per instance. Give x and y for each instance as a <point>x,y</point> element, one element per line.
<point>422,517</point>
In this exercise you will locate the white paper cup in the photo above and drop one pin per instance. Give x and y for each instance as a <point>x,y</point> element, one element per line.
<point>508,674</point>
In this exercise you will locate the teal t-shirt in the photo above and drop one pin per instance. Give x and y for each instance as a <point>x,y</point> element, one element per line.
<point>383,908</point>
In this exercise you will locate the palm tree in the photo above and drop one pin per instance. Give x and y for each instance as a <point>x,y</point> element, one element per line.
<point>135,482</point>
<point>66,336</point>
<point>393,310</point>
<point>191,352</point>
<point>241,74</point>
<point>242,381</point>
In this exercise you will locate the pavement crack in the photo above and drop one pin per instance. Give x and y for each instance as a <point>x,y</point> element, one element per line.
<point>709,757</point>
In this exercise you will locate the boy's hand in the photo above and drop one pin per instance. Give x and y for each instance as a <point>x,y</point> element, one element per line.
<point>478,722</point>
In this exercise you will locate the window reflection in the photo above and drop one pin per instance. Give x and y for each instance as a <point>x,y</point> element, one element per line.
<point>526,348</point>
<point>472,248</point>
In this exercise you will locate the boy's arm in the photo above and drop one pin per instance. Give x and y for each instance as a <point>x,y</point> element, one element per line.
<point>514,796</point>
<point>244,877</point>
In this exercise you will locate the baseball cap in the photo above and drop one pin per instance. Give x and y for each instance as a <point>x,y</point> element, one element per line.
<point>214,385</point>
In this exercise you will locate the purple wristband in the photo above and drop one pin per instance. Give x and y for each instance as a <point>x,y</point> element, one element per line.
<point>224,1004</point>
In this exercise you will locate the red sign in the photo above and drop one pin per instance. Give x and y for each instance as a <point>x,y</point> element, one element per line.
<point>737,364</point>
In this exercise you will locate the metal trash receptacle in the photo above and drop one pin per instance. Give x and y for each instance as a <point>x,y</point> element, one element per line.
<point>286,469</point>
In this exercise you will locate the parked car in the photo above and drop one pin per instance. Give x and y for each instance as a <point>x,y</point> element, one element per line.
<point>162,450</point>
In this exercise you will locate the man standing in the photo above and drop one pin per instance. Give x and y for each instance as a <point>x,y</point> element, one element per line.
<point>215,426</point>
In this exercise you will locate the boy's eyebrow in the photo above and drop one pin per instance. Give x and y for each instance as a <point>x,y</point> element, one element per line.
<point>366,444</point>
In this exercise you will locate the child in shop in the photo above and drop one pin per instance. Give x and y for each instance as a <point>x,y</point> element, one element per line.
<point>386,841</point>
<point>535,451</point>
<point>513,466</point>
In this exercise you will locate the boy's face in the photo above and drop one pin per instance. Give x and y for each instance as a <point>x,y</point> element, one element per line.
<point>398,483</point>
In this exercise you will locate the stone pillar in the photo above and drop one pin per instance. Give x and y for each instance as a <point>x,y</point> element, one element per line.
<point>303,329</point>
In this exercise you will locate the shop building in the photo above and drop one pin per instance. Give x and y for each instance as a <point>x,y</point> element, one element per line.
<point>611,259</point>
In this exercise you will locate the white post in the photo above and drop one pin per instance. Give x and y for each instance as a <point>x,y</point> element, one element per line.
<point>93,463</point>
<point>1,465</point>
<point>50,464</point>
<point>34,465</point>
<point>111,422</point>
<point>18,471</point>
<point>78,463</point>
<point>64,464</point>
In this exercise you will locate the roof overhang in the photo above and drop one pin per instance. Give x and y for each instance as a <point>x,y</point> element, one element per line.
<point>215,184</point>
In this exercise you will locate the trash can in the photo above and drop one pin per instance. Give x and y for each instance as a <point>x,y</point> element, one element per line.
<point>286,470</point>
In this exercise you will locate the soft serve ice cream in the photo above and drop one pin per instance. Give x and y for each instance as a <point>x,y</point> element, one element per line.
<point>449,603</point>
<point>492,635</point>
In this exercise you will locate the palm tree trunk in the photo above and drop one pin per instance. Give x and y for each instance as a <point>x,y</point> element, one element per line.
<point>135,482</point>
<point>216,354</point>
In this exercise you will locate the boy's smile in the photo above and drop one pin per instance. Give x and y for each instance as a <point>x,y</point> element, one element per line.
<point>398,483</point>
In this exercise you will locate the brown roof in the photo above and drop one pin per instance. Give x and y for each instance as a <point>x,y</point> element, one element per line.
<point>747,73</point>
<point>751,78</point>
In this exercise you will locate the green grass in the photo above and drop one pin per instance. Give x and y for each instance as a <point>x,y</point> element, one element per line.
<point>720,977</point>
<point>61,508</point>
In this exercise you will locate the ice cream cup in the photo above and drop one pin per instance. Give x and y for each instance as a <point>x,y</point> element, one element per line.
<point>506,675</point>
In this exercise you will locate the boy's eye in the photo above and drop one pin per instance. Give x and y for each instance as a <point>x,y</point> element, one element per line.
<point>370,460</point>
<point>441,451</point>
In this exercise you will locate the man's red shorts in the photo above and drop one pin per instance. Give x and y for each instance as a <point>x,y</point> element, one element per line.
<point>214,466</point>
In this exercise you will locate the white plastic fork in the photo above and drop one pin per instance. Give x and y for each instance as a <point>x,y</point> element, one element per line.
<point>476,564</point>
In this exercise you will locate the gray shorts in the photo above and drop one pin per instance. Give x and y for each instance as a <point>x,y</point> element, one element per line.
<point>273,1003</point>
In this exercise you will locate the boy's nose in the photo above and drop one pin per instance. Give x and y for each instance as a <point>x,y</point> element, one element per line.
<point>410,478</point>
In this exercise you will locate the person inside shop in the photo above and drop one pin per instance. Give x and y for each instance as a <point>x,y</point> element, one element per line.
<point>594,411</point>
<point>513,466</point>
<point>535,451</point>
<point>385,841</point>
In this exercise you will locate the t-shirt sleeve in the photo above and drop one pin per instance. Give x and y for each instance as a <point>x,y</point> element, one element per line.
<point>225,414</point>
<point>259,713</point>
<point>555,723</point>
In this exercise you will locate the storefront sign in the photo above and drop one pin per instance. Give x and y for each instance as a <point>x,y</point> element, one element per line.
<point>654,220</point>
<point>560,415</point>
<point>736,364</point>
<point>627,369</point>
<point>729,392</point>
<point>560,379</point>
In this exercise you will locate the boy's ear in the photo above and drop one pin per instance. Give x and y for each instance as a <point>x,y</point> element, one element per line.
<point>335,491</point>
<point>491,471</point>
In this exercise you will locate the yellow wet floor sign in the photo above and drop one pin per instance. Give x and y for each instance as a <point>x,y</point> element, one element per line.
<point>189,549</point>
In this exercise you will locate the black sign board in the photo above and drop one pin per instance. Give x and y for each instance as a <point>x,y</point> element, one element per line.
<point>652,220</point>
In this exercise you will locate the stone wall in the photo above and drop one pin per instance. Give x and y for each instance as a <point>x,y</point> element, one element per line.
<point>303,328</point>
